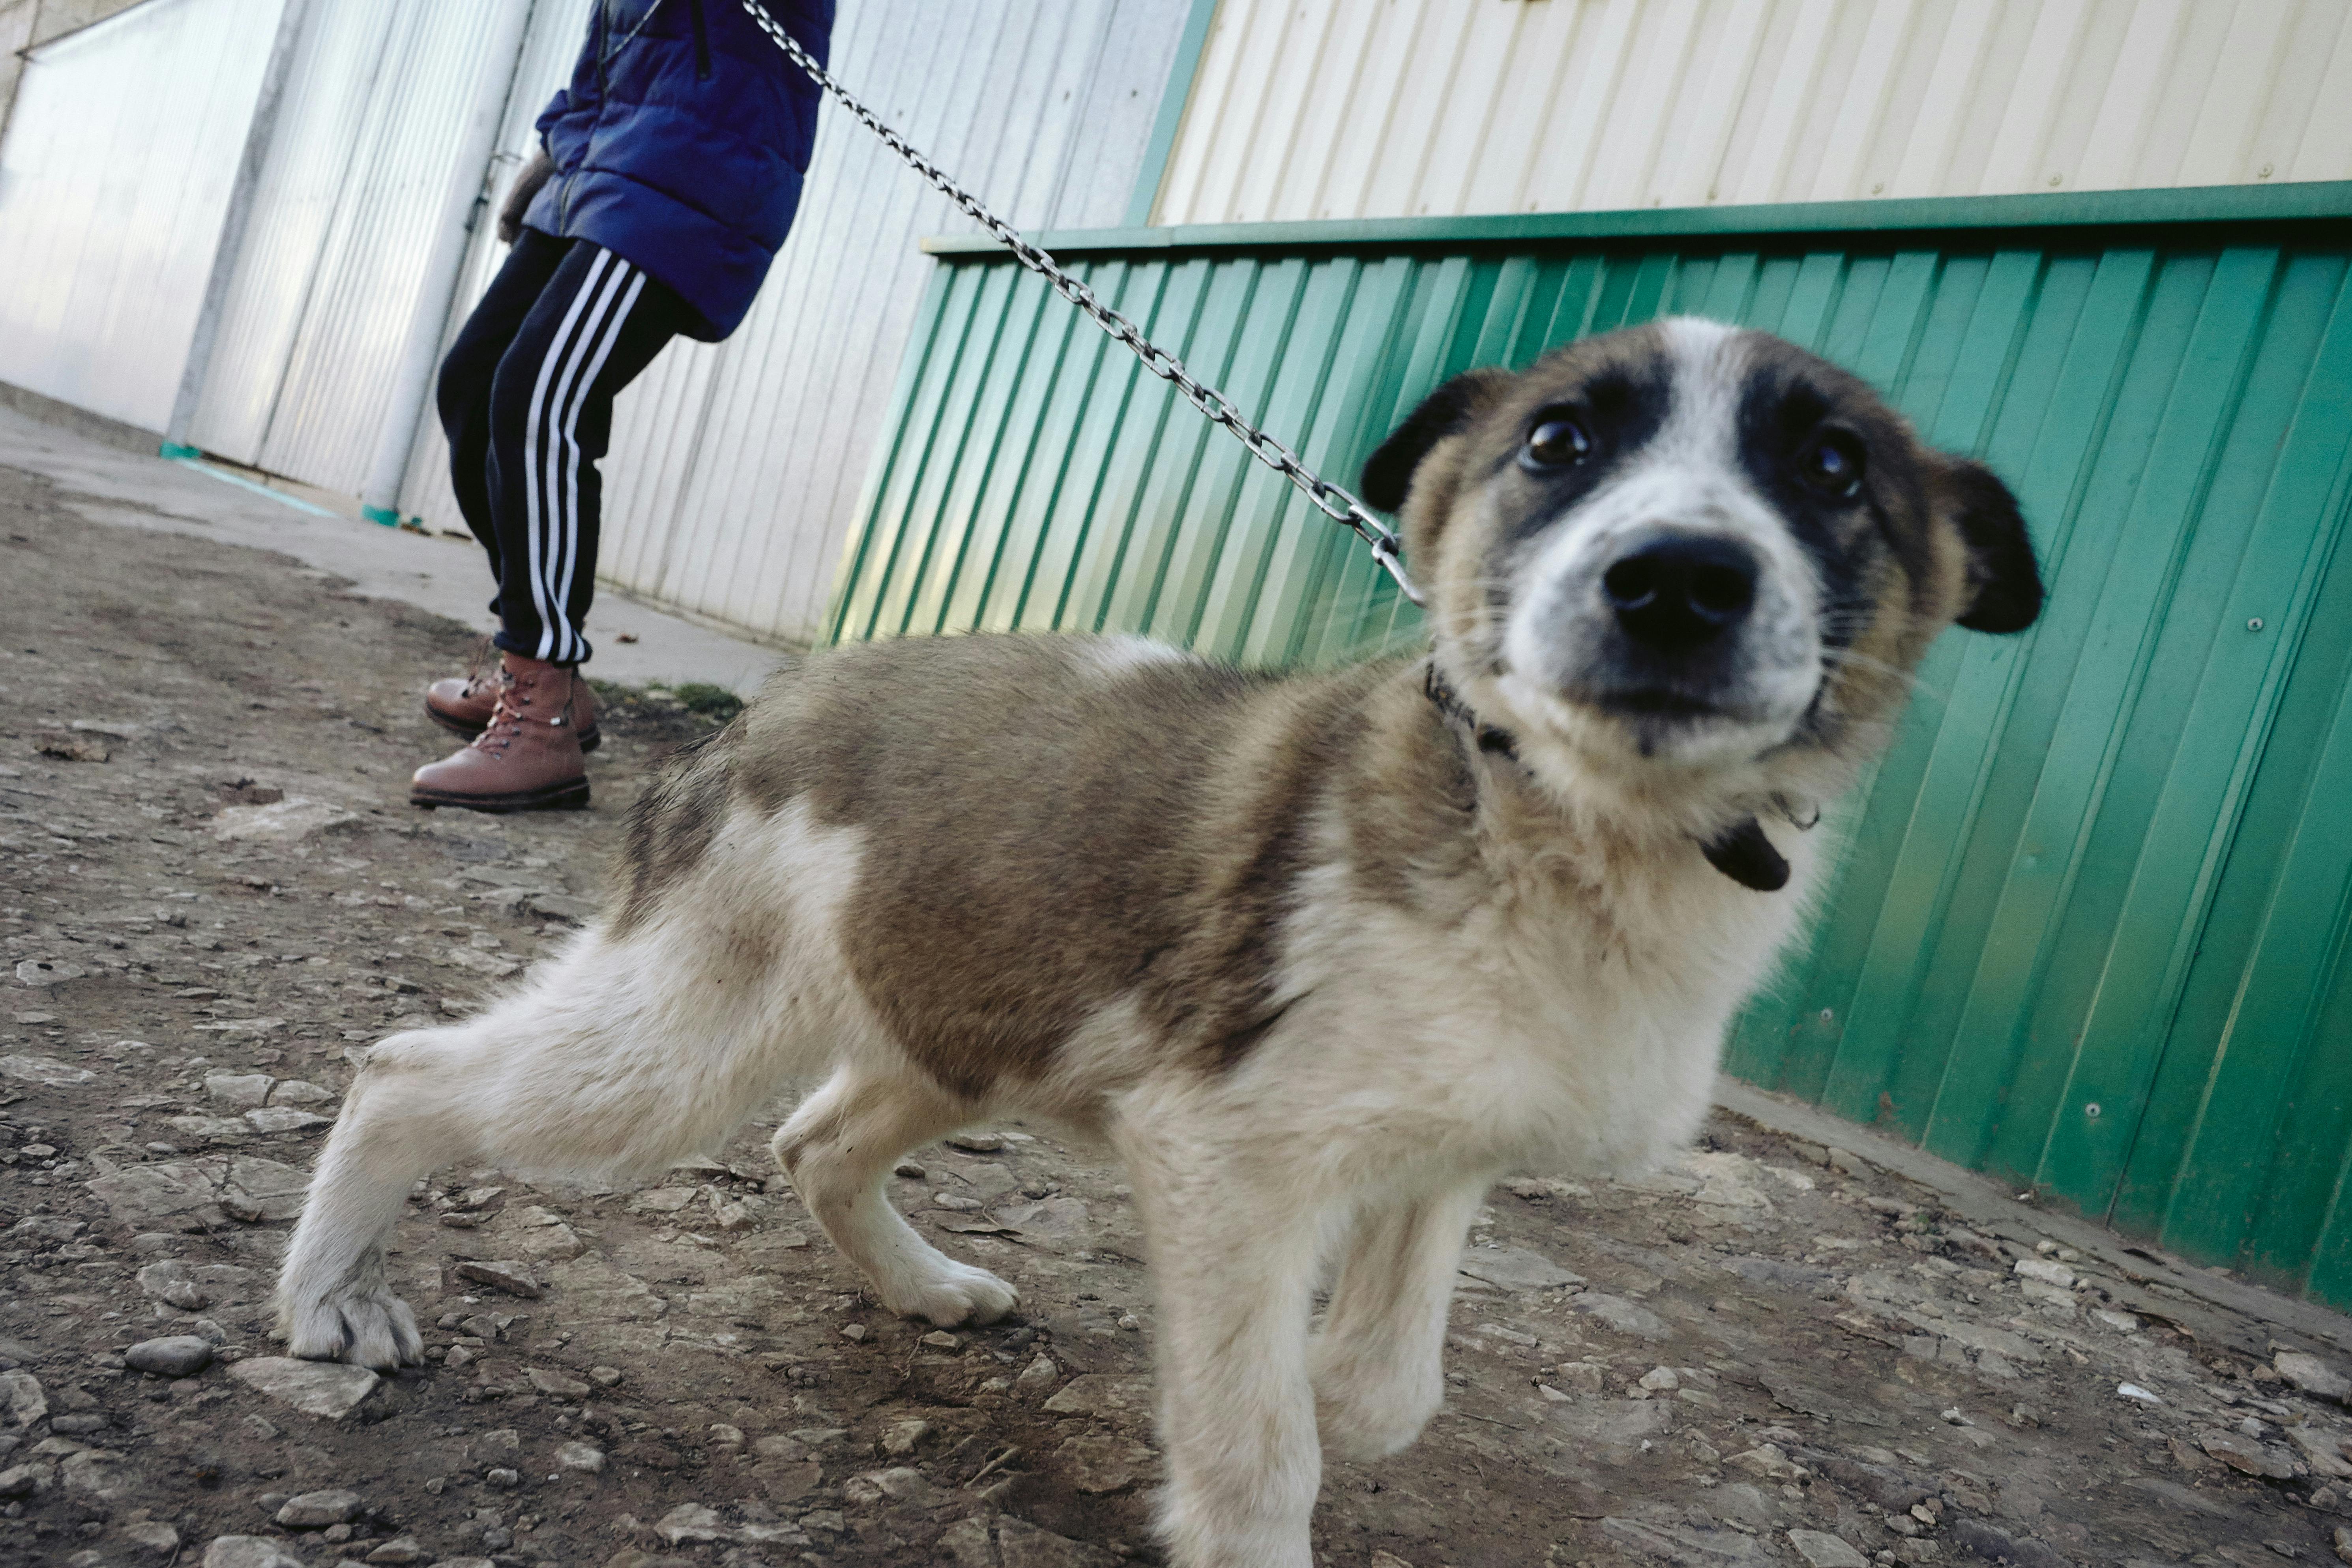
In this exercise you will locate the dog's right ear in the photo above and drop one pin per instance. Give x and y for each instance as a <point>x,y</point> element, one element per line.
<point>1388,473</point>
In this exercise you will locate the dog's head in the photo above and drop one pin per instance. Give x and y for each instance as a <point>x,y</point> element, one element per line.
<point>1692,561</point>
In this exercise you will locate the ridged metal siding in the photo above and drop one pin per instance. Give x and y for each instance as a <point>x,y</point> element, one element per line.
<point>2105,863</point>
<point>329,283</point>
<point>114,176</point>
<point>735,468</point>
<point>1338,108</point>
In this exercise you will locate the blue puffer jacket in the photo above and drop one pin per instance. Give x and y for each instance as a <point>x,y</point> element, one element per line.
<point>681,143</point>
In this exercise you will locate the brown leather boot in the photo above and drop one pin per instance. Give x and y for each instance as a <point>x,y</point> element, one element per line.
<point>528,757</point>
<point>462,704</point>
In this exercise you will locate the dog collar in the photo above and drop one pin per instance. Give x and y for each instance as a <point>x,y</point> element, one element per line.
<point>1440,691</point>
<point>1741,853</point>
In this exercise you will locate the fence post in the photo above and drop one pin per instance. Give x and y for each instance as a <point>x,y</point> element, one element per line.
<point>258,136</point>
<point>412,382</point>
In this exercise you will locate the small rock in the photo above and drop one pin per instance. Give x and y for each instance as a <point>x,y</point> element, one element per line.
<point>1103,1394</point>
<point>176,1355</point>
<point>323,1388</point>
<point>1660,1379</point>
<point>854,1332</point>
<point>1822,1549</point>
<point>2342,1542</point>
<point>100,1473</point>
<point>400,1549</point>
<point>22,1400</point>
<point>585,1458</point>
<point>1021,1544</point>
<point>900,1484</point>
<point>2322,1450</point>
<point>1101,1462</point>
<point>942,1341</point>
<point>690,1522</point>
<point>1517,1269</point>
<point>1040,1374</point>
<point>49,971</point>
<point>504,1477</point>
<point>283,1119</point>
<point>1770,1461</point>
<point>1624,1316</point>
<point>240,1089</point>
<point>24,1480</point>
<point>552,1244</point>
<point>605,1376</point>
<point>2048,1271</point>
<point>2137,1395</point>
<point>511,1275</point>
<point>2312,1376</point>
<point>903,1438</point>
<point>155,1535</point>
<point>2244,1454</point>
<point>975,1142</point>
<point>910,1169</point>
<point>318,1510</point>
<point>561,1384</point>
<point>249,1551</point>
<point>298,1091</point>
<point>43,1069</point>
<point>295,817</point>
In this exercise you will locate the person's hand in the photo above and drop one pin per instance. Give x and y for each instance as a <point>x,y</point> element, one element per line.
<point>527,183</point>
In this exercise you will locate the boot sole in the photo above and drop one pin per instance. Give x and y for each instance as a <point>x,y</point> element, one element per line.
<point>567,797</point>
<point>589,739</point>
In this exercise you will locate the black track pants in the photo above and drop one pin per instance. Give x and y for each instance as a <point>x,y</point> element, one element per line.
<point>526,399</point>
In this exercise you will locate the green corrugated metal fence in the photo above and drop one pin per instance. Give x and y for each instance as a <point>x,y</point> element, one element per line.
<point>2090,934</point>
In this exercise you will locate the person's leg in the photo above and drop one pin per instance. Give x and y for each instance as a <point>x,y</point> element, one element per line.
<point>463,705</point>
<point>463,395</point>
<point>596,323</point>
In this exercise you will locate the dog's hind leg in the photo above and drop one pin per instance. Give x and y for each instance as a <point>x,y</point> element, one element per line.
<point>1377,1363</point>
<point>838,1147</point>
<point>610,1061</point>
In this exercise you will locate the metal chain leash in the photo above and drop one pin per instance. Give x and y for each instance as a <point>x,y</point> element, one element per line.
<point>1333,500</point>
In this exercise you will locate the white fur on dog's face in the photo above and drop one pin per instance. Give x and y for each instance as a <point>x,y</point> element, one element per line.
<point>1565,659</point>
<point>1689,566</point>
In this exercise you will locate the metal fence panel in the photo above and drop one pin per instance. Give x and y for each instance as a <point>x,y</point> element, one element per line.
<point>1334,109</point>
<point>365,288</point>
<point>2090,928</point>
<point>114,177</point>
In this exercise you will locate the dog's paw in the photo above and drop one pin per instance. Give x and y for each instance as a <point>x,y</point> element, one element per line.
<point>367,1326</point>
<point>959,1293</point>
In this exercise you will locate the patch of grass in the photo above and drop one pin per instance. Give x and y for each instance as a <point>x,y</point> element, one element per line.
<point>716,704</point>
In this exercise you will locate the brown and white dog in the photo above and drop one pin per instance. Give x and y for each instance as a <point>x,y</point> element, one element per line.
<point>1320,955</point>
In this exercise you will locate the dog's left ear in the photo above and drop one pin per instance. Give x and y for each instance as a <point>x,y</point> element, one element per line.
<point>2004,584</point>
<point>1388,473</point>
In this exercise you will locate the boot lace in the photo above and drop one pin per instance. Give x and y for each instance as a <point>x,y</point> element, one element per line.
<point>508,718</point>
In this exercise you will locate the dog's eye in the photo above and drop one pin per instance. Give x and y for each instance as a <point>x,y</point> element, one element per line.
<point>1832,464</point>
<point>1556,441</point>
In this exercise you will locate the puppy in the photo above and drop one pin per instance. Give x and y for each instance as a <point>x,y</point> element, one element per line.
<point>1320,955</point>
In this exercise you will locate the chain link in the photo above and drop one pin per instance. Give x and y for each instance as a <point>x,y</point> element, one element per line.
<point>1333,500</point>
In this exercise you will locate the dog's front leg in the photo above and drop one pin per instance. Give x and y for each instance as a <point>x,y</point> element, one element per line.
<point>1235,1273</point>
<point>1377,1363</point>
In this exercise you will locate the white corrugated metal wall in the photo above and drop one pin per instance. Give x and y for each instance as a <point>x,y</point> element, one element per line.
<point>735,468</point>
<point>330,279</point>
<point>1343,109</point>
<point>114,178</point>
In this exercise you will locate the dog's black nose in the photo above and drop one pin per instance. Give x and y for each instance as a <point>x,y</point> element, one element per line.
<point>1676,592</point>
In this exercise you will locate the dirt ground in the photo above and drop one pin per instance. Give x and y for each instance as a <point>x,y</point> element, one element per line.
<point>212,893</point>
